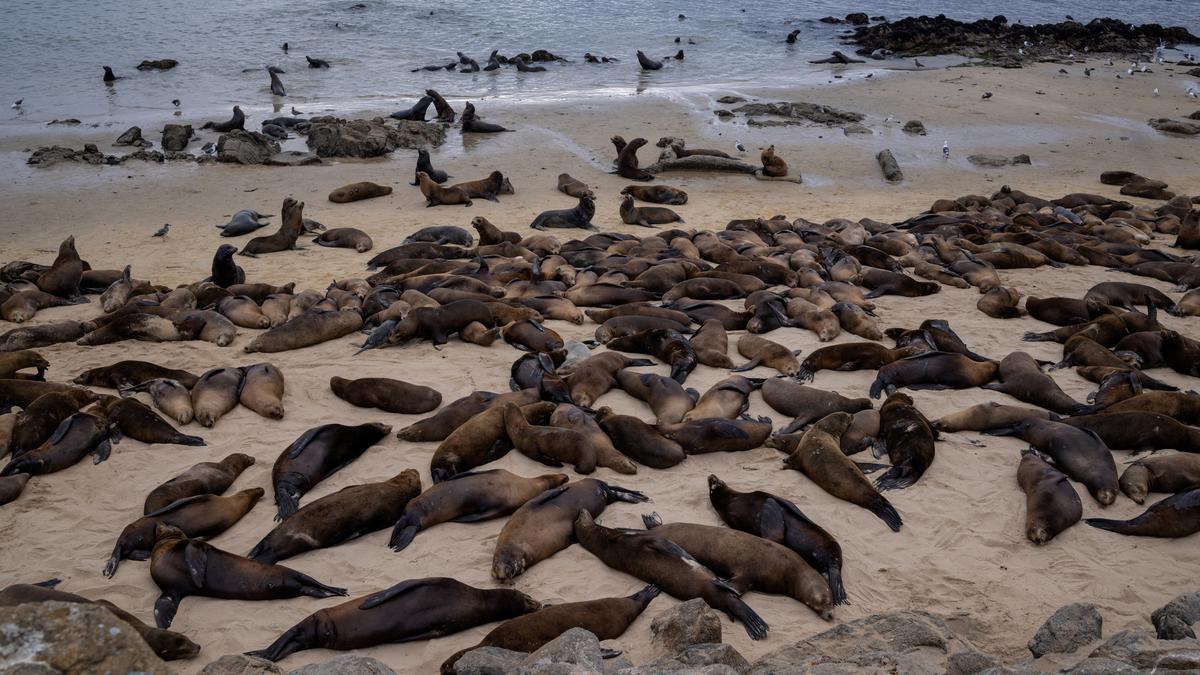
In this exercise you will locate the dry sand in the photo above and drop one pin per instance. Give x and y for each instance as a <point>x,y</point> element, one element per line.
<point>962,549</point>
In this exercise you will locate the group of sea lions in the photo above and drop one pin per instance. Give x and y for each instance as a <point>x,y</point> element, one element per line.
<point>670,297</point>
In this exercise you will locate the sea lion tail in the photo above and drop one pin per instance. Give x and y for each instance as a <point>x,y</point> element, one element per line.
<point>1118,526</point>
<point>651,521</point>
<point>834,577</point>
<point>896,478</point>
<point>888,514</point>
<point>616,493</point>
<point>403,533</point>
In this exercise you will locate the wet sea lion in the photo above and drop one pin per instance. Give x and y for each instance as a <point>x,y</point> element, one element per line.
<point>933,370</point>
<point>762,351</point>
<point>646,216</point>
<point>983,416</point>
<point>908,438</point>
<point>415,113</point>
<point>573,187</point>
<point>205,478</point>
<point>1051,503</point>
<point>262,390</point>
<point>806,404</point>
<point>627,161</point>
<point>568,416</point>
<point>436,195</point>
<point>1077,452</point>
<point>544,525</point>
<point>344,515</point>
<point>473,125</point>
<point>13,362</point>
<point>551,446</point>
<point>640,441</point>
<point>137,421</point>
<point>62,279</point>
<point>317,454</point>
<point>216,393</point>
<point>817,454</point>
<point>237,121</point>
<point>667,345</point>
<point>77,436</point>
<point>648,63</point>
<point>579,217</point>
<point>395,396</point>
<point>1161,473</point>
<point>1173,517</point>
<point>727,399</point>
<point>169,396</point>
<point>417,609</point>
<point>181,567</point>
<point>304,330</point>
<point>1020,376</point>
<point>284,238</point>
<point>358,191</point>
<point>454,414</point>
<point>655,559</point>
<point>1138,430</point>
<point>656,194</point>
<point>702,436</point>
<point>12,486</point>
<point>199,516</point>
<point>469,498</point>
<point>667,398</point>
<point>345,237</point>
<point>711,344</point>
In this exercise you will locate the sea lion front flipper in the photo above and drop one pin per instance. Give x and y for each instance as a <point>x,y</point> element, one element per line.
<point>195,556</point>
<point>391,593</point>
<point>293,451</point>
<point>164,610</point>
<point>770,522</point>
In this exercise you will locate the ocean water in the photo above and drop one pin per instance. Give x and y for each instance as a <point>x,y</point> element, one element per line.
<point>52,50</point>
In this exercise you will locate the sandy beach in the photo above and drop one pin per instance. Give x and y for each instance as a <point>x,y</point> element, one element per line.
<point>962,552</point>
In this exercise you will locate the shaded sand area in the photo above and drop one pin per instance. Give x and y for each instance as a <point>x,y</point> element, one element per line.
<point>962,550</point>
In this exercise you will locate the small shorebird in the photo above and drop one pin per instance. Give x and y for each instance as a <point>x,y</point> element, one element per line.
<point>918,63</point>
<point>945,149</point>
<point>162,231</point>
<point>1063,71</point>
<point>1192,92</point>
<point>296,112</point>
<point>1156,91</point>
<point>17,103</point>
<point>739,146</point>
<point>175,102</point>
<point>1087,72</point>
<point>986,95</point>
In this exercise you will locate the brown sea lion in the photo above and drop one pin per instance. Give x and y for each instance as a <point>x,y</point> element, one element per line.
<point>169,396</point>
<point>1081,350</point>
<point>394,396</point>
<point>1051,503</point>
<point>43,335</point>
<point>345,237</point>
<point>984,416</point>
<point>621,326</point>
<point>1020,376</point>
<point>655,559</point>
<point>16,392</point>
<point>437,324</point>
<point>1128,295</point>
<point>1061,311</point>
<point>1180,353</point>
<point>469,498</point>
<point>531,336</point>
<point>627,161</point>
<point>137,421</point>
<point>1000,303</point>
<point>567,416</point>
<point>933,370</point>
<point>908,438</point>
<point>305,330</point>
<point>596,375</point>
<point>544,525</point>
<point>1183,406</point>
<point>640,441</point>
<point>573,187</point>
<point>702,436</point>
<point>551,446</point>
<point>806,404</point>
<point>205,478</point>
<point>656,194</point>
<point>646,216</point>
<point>773,165</point>
<point>125,374</point>
<point>181,567</point>
<point>849,356</point>
<point>37,421</point>
<point>216,393</point>
<point>1077,452</point>
<point>454,414</point>
<point>1161,473</point>
<point>484,188</point>
<point>284,239</point>
<point>277,306</point>
<point>711,344</point>
<point>133,325</point>
<point>243,311</point>
<point>480,440</point>
<point>637,309</point>
<point>667,398</point>
<point>205,325</point>
<point>200,516</point>
<point>417,609</point>
<point>12,486</point>
<point>13,362</point>
<point>489,234</point>
<point>705,288</point>
<point>77,436</point>
<point>358,191</point>
<point>62,279</point>
<point>1174,517</point>
<point>436,195</point>
<point>262,390</point>
<point>22,306</point>
<point>317,454</point>
<point>667,345</point>
<point>727,399</point>
<point>762,351</point>
<point>578,217</point>
<point>1138,431</point>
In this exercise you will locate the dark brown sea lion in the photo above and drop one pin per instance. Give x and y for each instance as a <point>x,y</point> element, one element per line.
<point>125,374</point>
<point>437,324</point>
<point>37,421</point>
<point>444,112</point>
<point>544,525</point>
<point>1174,517</point>
<point>817,454</point>
<point>773,165</point>
<point>480,440</point>
<point>727,399</point>
<point>806,404</point>
<point>471,124</point>
<point>1051,503</point>
<point>1000,303</point>
<point>573,187</point>
<point>640,441</point>
<point>317,454</point>
<point>705,288</point>
<point>627,161</point>
<point>1138,431</point>
<point>12,486</point>
<point>702,436</point>
<point>1180,353</point>
<point>205,478</point>
<point>23,392</point>
<point>358,191</point>
<point>578,217</point>
<point>307,329</point>
<point>762,351</point>
<point>596,375</point>
<point>139,422</point>
<point>394,396</point>
<point>1081,350</point>
<point>1060,311</point>
<point>849,356</point>
<point>345,237</point>
<point>621,326</point>
<point>646,216</point>
<point>667,345</point>
<point>133,325</point>
<point>1183,406</point>
<point>531,336</point>
<point>779,520</point>
<point>656,194</point>
<point>1128,295</point>
<point>436,195</point>
<point>1161,473</point>
<point>552,446</point>
<point>657,560</point>
<point>62,279</point>
<point>1077,452</point>
<point>417,609</point>
<point>12,362</point>
<point>200,516</point>
<point>469,498</point>
<point>933,370</point>
<point>182,567</point>
<point>216,393</point>
<point>711,344</point>
<point>454,414</point>
<point>983,416</point>
<point>1021,377</point>
<point>568,416</point>
<point>290,228</point>
<point>77,436</point>
<point>484,188</point>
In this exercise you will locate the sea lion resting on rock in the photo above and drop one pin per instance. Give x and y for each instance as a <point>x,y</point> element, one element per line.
<point>773,165</point>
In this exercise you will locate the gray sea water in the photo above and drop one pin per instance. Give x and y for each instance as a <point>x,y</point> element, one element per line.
<point>52,50</point>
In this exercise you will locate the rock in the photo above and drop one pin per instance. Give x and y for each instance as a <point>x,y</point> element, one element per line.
<point>1174,620</point>
<point>730,99</point>
<point>891,169</point>
<point>1068,629</point>
<point>1195,115</point>
<point>489,661</point>
<point>132,136</point>
<point>1021,159</point>
<point>146,156</point>
<point>804,112</point>
<point>72,639</point>
<point>1194,72</point>
<point>914,127</point>
<point>576,647</point>
<point>1170,126</point>
<point>723,113</point>
<point>1092,666</point>
<point>689,623</point>
<point>857,19</point>
<point>49,156</point>
<point>334,137</point>
<point>416,135</point>
<point>293,158</point>
<point>969,662</point>
<point>241,664</point>
<point>856,129</point>
<point>829,19</point>
<point>991,161</point>
<point>176,136</point>
<point>246,147</point>
<point>160,64</point>
<point>616,664</point>
<point>70,121</point>
<point>1141,649</point>
<point>347,664</point>
<point>713,654</point>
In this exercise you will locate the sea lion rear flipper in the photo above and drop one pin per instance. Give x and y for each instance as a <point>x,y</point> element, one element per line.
<point>616,493</point>
<point>897,478</point>
<point>102,451</point>
<point>139,555</point>
<point>1118,526</point>
<point>770,521</point>
<point>606,653</point>
<point>195,556</point>
<point>315,589</point>
<point>749,365</point>
<point>652,520</point>
<point>888,514</point>
<point>870,467</point>
<point>391,593</point>
<point>178,504</point>
<point>756,628</point>
<point>164,610</point>
<point>49,583</point>
<point>481,515</point>
<point>547,496</point>
<point>405,530</point>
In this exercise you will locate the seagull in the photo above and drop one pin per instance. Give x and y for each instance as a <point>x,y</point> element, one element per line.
<point>1063,71</point>
<point>1109,62</point>
<point>946,149</point>
<point>1156,91</point>
<point>1028,43</point>
<point>175,102</point>
<point>1087,72</point>
<point>17,103</point>
<point>918,63</point>
<point>739,146</point>
<point>986,95</point>
<point>1021,51</point>
<point>1144,69</point>
<point>887,119</point>
<point>1129,71</point>
<point>1192,92</point>
<point>162,231</point>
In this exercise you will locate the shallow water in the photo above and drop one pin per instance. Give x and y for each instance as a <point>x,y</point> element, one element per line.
<point>53,50</point>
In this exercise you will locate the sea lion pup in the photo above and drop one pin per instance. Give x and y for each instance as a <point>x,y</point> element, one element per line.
<point>225,272</point>
<point>13,362</point>
<point>627,161</point>
<point>552,446</point>
<point>417,609</point>
<point>1020,376</point>
<point>168,645</point>
<point>1079,453</point>
<point>646,216</point>
<point>806,404</point>
<point>703,436</point>
<point>316,455</point>
<point>437,324</point>
<point>454,414</point>
<point>640,441</point>
<point>1173,517</point>
<point>908,438</point>
<point>480,440</point>
<point>984,416</point>
<point>596,375</point>
<point>656,194</point>
<point>573,187</point>
<point>445,113</point>
<point>762,351</point>
<point>12,486</point>
<point>545,524</point>
<point>200,516</point>
<point>669,346</point>
<point>726,399</point>
<point>779,520</point>
<point>284,238</point>
<point>75,437</point>
<point>648,63</point>
<point>711,344</point>
<point>933,370</point>
<point>262,390</point>
<point>205,478</point>
<point>238,121</point>
<point>773,165</point>
<point>62,279</point>
<point>344,515</point>
<point>1051,503</point>
<point>169,396</point>
<point>473,125</point>
<point>216,393</point>
<point>1128,295</point>
<point>304,330</point>
<point>749,562</point>
<point>416,112</point>
<point>358,191</point>
<point>1138,430</point>
<point>436,195</point>
<point>655,559</point>
<point>580,216</point>
<point>137,421</point>
<point>469,498</point>
<point>181,567</point>
<point>568,416</point>
<point>817,454</point>
<point>345,237</point>
<point>849,356</point>
<point>666,397</point>
<point>33,425</point>
<point>394,396</point>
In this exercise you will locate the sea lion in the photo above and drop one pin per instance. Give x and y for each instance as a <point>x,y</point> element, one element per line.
<point>78,435</point>
<point>668,345</point>
<point>23,305</point>
<point>344,515</point>
<point>705,288</point>
<point>773,165</point>
<point>580,216</point>
<point>818,455</point>
<point>568,416</point>
<point>703,436</point>
<point>395,396</point>
<point>277,306</point>
<point>762,351</point>
<point>317,454</point>
<point>1183,406</point>
<point>436,195</point>
<point>711,345</point>
<point>1138,431</point>
<point>908,438</point>
<point>544,525</point>
<point>303,330</point>
<point>1000,303</point>
<point>284,238</point>
<point>1179,353</point>
<point>806,404</point>
<point>573,187</point>
<point>243,222</point>
<point>358,191</point>
<point>630,324</point>
<point>62,279</point>
<point>12,486</point>
<point>1161,473</point>
<point>933,370</point>
<point>655,559</point>
<point>205,478</point>
<point>726,399</point>
<point>345,237</point>
<point>1077,452</point>
<point>35,423</point>
<point>237,121</point>
<point>637,309</point>
<point>531,336</point>
<point>135,325</point>
<point>417,609</point>
<point>490,235</point>
<point>262,390</point>
<point>200,516</point>
<point>444,112</point>
<point>13,362</point>
<point>277,87</point>
<point>437,324</point>
<point>137,421</point>
<point>849,356</point>
<point>983,416</point>
<point>1051,503</point>
<point>243,311</point>
<point>416,112</point>
<point>1021,377</point>
<point>454,414</point>
<point>473,125</point>
<point>627,161</point>
<point>640,441</point>
<point>606,294</point>
<point>484,188</point>
<point>646,216</point>
<point>225,272</point>
<point>181,567</point>
<point>552,446</point>
<point>667,398</point>
<point>779,520</point>
<point>1060,311</point>
<point>886,282</point>
<point>856,320</point>
<point>216,393</point>
<point>479,440</point>
<point>169,396</point>
<point>16,392</point>
<point>1173,517</point>
<point>1128,295</point>
<point>655,194</point>
<point>596,375</point>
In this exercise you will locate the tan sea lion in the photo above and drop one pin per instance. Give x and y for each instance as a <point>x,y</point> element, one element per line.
<point>206,325</point>
<point>1079,453</point>
<point>358,191</point>
<point>216,393</point>
<point>596,375</point>
<point>22,306</point>
<point>1161,473</point>
<point>205,478</point>
<point>306,329</point>
<point>666,397</point>
<point>703,436</point>
<point>727,399</point>
<point>567,416</point>
<point>984,416</point>
<point>1000,303</point>
<point>243,311</point>
<point>773,165</point>
<point>646,216</point>
<point>711,344</point>
<point>849,356</point>
<point>656,194</point>
<point>551,446</point>
<point>12,486</point>
<point>395,396</point>
<point>345,237</point>
<point>573,187</point>
<point>484,188</point>
<point>436,195</point>
<point>640,441</point>
<point>627,161</point>
<point>1021,377</point>
<point>1174,517</point>
<point>531,336</point>
<point>317,454</point>
<point>262,390</point>
<point>13,362</point>
<point>169,396</point>
<point>479,440</point>
<point>137,421</point>
<point>1051,503</point>
<point>762,351</point>
<point>290,228</point>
